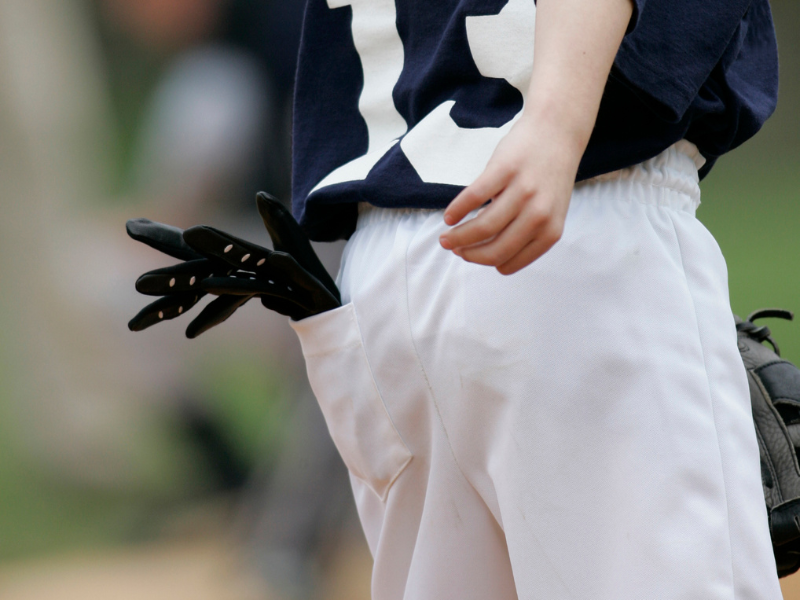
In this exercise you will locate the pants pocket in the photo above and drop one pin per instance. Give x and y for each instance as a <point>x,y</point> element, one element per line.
<point>342,380</point>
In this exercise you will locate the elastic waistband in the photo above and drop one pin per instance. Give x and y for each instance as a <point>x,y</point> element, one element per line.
<point>669,179</point>
<point>369,214</point>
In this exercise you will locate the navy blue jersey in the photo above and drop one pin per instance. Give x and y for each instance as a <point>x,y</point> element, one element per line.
<point>401,103</point>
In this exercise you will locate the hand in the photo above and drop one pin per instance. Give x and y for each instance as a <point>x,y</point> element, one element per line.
<point>528,183</point>
<point>530,176</point>
<point>290,280</point>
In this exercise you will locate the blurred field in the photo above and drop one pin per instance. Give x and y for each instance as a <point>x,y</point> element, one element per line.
<point>205,569</point>
<point>199,571</point>
<point>791,587</point>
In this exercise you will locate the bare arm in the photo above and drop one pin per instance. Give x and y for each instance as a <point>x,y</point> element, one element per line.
<point>532,172</point>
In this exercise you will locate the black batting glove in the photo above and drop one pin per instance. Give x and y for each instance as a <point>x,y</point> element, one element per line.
<point>289,280</point>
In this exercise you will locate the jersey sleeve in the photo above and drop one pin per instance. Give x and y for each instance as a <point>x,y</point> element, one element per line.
<point>671,48</point>
<point>638,5</point>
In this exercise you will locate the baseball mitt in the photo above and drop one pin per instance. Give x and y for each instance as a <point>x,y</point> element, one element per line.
<point>775,397</point>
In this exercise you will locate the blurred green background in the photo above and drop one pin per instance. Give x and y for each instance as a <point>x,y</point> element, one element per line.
<point>54,504</point>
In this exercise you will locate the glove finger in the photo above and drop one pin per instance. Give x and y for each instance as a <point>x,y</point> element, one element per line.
<point>276,296</point>
<point>176,279</point>
<point>295,302</point>
<point>287,236</point>
<point>164,309</point>
<point>322,298</point>
<point>214,314</point>
<point>164,238</point>
<point>236,252</point>
<point>284,306</point>
<point>286,233</point>
<point>244,284</point>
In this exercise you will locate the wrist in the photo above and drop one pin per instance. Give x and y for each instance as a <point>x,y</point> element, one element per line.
<point>565,138</point>
<point>566,124</point>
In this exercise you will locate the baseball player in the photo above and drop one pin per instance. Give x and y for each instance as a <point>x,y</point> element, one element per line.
<point>509,378</point>
<point>528,361</point>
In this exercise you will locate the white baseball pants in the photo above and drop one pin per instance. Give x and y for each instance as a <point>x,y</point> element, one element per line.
<point>581,429</point>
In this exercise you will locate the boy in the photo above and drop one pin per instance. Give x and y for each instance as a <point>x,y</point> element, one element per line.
<point>580,429</point>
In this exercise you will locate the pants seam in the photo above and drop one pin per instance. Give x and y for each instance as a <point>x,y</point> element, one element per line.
<point>431,393</point>
<point>711,401</point>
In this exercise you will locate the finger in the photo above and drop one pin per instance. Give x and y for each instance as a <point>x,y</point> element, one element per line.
<point>287,236</point>
<point>488,185</point>
<point>519,233</point>
<point>236,252</point>
<point>489,222</point>
<point>215,313</point>
<point>530,253</point>
<point>164,238</point>
<point>164,309</point>
<point>183,277</point>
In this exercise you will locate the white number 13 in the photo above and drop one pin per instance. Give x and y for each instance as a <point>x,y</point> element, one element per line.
<point>438,149</point>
